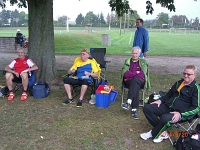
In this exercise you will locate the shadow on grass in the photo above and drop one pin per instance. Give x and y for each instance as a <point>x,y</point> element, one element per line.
<point>47,124</point>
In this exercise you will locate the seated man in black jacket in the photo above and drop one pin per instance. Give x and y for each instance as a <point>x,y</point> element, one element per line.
<point>180,102</point>
<point>20,37</point>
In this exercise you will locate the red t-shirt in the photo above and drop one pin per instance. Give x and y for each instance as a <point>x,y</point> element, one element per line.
<point>20,65</point>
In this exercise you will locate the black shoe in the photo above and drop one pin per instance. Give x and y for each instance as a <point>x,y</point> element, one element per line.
<point>67,101</point>
<point>126,106</point>
<point>134,114</point>
<point>79,104</point>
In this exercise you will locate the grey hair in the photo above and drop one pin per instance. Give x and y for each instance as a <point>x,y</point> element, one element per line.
<point>21,48</point>
<point>193,67</point>
<point>136,47</point>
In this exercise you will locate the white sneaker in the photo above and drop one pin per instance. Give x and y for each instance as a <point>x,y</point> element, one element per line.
<point>92,101</point>
<point>164,135</point>
<point>146,136</point>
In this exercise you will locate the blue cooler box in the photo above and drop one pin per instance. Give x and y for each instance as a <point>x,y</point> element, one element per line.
<point>113,96</point>
<point>102,100</point>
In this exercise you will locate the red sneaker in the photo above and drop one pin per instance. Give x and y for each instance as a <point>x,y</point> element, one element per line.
<point>11,96</point>
<point>24,96</point>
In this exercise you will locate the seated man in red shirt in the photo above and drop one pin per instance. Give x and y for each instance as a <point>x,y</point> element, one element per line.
<point>19,69</point>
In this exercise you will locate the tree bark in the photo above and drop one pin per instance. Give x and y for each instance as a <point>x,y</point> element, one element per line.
<point>41,38</point>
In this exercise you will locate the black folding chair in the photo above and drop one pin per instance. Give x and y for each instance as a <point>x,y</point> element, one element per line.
<point>18,83</point>
<point>124,92</point>
<point>99,54</point>
<point>91,87</point>
<point>184,125</point>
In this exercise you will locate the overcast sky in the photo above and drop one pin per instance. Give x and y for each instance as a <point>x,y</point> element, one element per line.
<point>72,8</point>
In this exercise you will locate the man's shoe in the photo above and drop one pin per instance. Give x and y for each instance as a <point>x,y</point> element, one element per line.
<point>135,114</point>
<point>69,101</point>
<point>79,104</point>
<point>11,96</point>
<point>24,96</point>
<point>146,136</point>
<point>164,135</point>
<point>126,106</point>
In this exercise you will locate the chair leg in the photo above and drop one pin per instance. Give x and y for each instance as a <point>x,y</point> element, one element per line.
<point>123,91</point>
<point>142,98</point>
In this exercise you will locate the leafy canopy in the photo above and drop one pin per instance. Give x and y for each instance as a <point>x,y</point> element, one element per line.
<point>20,3</point>
<point>122,6</point>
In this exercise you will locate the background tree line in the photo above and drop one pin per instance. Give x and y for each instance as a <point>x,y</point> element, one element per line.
<point>13,18</point>
<point>18,19</point>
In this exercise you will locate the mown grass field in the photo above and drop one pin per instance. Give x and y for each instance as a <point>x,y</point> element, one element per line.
<point>45,124</point>
<point>161,43</point>
<point>48,125</point>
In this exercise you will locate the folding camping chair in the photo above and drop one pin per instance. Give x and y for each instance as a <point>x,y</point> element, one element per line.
<point>99,54</point>
<point>185,125</point>
<point>18,83</point>
<point>91,87</point>
<point>124,92</point>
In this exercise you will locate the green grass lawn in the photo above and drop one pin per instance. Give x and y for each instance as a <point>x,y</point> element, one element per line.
<point>161,43</point>
<point>48,125</point>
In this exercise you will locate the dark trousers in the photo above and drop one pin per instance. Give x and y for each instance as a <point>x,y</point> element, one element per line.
<point>73,81</point>
<point>134,85</point>
<point>159,117</point>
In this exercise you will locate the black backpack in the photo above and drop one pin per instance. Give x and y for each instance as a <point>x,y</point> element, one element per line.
<point>4,91</point>
<point>185,142</point>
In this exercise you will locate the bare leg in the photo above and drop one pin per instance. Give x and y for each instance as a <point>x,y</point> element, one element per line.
<point>24,77</point>
<point>83,90</point>
<point>68,90</point>
<point>9,77</point>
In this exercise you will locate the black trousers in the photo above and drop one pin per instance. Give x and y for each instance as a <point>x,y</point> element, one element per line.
<point>73,81</point>
<point>134,85</point>
<point>159,117</point>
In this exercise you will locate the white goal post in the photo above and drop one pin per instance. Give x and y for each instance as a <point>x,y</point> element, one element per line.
<point>178,31</point>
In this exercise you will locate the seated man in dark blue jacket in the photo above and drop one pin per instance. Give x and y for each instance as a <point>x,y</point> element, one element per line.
<point>180,102</point>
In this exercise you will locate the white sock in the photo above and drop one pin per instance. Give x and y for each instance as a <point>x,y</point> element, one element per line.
<point>134,109</point>
<point>129,101</point>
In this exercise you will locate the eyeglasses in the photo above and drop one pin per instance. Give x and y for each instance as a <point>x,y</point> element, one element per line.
<point>188,74</point>
<point>83,54</point>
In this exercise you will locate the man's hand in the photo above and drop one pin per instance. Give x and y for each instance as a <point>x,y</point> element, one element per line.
<point>17,74</point>
<point>71,71</point>
<point>145,54</point>
<point>27,70</point>
<point>176,117</point>
<point>137,72</point>
<point>156,102</point>
<point>87,73</point>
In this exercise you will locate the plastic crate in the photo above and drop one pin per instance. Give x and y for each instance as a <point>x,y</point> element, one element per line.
<point>113,96</point>
<point>102,100</point>
<point>102,97</point>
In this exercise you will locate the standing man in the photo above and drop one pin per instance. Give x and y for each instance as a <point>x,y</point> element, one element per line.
<point>141,38</point>
<point>135,75</point>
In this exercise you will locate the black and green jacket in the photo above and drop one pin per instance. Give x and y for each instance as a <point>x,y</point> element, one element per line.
<point>187,102</point>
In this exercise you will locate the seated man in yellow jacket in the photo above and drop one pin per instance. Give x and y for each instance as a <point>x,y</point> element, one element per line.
<point>85,70</point>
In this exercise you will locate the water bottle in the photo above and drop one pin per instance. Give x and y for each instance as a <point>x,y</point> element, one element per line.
<point>93,99</point>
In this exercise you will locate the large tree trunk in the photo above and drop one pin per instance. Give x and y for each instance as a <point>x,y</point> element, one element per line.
<point>41,38</point>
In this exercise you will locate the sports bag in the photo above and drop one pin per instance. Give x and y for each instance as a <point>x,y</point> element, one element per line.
<point>40,89</point>
<point>186,142</point>
<point>4,91</point>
